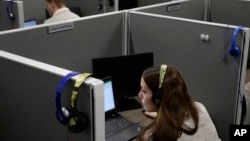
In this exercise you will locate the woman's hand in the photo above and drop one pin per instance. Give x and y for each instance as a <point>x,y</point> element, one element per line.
<point>151,114</point>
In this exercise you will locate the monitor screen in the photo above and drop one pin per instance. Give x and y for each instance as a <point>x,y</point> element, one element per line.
<point>125,70</point>
<point>30,23</point>
<point>109,102</point>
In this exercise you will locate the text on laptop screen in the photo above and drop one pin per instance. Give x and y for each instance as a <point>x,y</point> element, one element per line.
<point>108,95</point>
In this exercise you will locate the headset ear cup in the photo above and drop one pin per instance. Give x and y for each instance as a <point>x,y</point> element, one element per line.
<point>100,5</point>
<point>111,2</point>
<point>157,97</point>
<point>77,122</point>
<point>235,51</point>
<point>11,16</point>
<point>65,112</point>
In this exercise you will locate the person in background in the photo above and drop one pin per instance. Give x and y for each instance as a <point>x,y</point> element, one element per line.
<point>165,97</point>
<point>58,11</point>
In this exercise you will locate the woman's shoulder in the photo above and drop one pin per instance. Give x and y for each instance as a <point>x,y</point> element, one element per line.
<point>200,106</point>
<point>206,128</point>
<point>204,115</point>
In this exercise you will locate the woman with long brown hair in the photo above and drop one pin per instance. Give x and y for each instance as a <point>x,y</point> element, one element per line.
<point>164,96</point>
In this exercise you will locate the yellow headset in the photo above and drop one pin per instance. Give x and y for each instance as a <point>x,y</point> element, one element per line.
<point>77,120</point>
<point>157,97</point>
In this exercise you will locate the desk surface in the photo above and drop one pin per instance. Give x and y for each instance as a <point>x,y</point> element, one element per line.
<point>137,116</point>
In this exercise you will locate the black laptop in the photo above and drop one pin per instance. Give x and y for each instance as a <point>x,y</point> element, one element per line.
<point>117,128</point>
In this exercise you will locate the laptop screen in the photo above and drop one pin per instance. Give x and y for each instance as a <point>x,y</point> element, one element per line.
<point>108,95</point>
<point>30,23</point>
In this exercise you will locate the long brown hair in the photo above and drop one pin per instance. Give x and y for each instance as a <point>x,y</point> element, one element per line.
<point>176,106</point>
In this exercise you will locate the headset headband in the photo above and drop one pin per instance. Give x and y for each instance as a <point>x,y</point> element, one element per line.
<point>158,95</point>
<point>59,113</point>
<point>235,50</point>
<point>77,84</point>
<point>236,31</point>
<point>162,74</point>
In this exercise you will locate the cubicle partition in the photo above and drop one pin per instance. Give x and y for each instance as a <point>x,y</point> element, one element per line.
<point>200,51</point>
<point>28,102</point>
<point>70,45</point>
<point>192,9</point>
<point>236,12</point>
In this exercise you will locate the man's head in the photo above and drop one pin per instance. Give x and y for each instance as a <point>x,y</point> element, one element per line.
<point>54,5</point>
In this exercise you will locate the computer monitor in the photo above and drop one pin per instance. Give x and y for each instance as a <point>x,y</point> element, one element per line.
<point>125,70</point>
<point>127,4</point>
<point>30,23</point>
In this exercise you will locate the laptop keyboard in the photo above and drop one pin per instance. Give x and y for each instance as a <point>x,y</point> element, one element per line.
<point>116,124</point>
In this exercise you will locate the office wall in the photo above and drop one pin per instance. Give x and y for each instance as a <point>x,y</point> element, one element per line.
<point>212,75</point>
<point>93,36</point>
